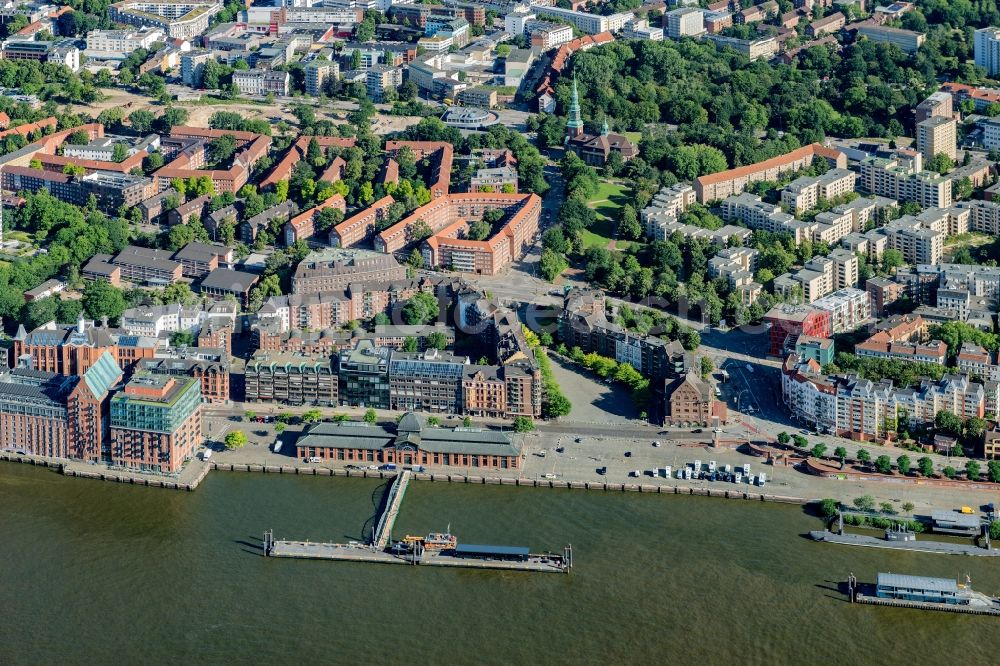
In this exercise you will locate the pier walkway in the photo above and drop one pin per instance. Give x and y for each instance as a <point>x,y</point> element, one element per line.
<point>939,547</point>
<point>357,552</point>
<point>380,539</point>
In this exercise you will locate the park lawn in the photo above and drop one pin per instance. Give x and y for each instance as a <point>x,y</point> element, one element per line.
<point>600,234</point>
<point>607,202</point>
<point>634,137</point>
<point>612,192</point>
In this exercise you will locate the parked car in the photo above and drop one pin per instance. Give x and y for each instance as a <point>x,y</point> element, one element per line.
<point>388,467</point>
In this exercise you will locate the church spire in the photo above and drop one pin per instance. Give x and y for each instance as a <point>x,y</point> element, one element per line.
<point>604,128</point>
<point>574,126</point>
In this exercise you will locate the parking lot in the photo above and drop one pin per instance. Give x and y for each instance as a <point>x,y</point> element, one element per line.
<point>594,400</point>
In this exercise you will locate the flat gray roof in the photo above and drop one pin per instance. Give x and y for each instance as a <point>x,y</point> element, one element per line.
<point>917,582</point>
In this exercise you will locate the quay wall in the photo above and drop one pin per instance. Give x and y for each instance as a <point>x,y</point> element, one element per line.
<point>524,483</point>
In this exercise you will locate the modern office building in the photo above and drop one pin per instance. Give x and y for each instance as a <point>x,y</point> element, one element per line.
<point>156,423</point>
<point>293,379</point>
<point>364,375</point>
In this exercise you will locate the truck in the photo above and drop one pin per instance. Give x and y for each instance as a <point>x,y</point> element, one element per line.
<point>389,467</point>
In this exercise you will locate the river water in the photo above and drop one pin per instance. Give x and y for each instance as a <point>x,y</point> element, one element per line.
<point>105,572</point>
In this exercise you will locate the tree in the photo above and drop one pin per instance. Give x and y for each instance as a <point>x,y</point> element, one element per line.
<point>312,416</point>
<point>467,422</point>
<point>828,508</point>
<point>865,502</point>
<point>883,464</point>
<point>523,424</point>
<point>940,163</point>
<point>279,427</point>
<point>370,416</point>
<point>972,470</point>
<point>415,260</point>
<point>102,299</point>
<point>886,508</point>
<point>903,463</point>
<point>993,471</point>
<point>410,345</point>
<point>949,472</point>
<point>422,308</point>
<point>948,423</point>
<point>819,450</point>
<point>926,466</point>
<point>141,121</point>
<point>864,457</point>
<point>783,438</point>
<point>221,149</point>
<point>800,441</point>
<point>79,138</point>
<point>249,415</point>
<point>433,421</point>
<point>628,226</point>
<point>436,340</point>
<point>552,264</point>
<point>236,440</point>
<point>706,366</point>
<point>419,231</point>
<point>182,339</point>
<point>480,230</point>
<point>119,152</point>
<point>907,507</point>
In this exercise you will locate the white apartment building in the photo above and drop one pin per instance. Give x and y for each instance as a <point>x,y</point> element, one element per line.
<point>937,135</point>
<point>991,133</point>
<point>119,44</point>
<point>685,22</point>
<point>586,22</point>
<point>986,44</point>
<point>641,29</point>
<point>904,179</point>
<point>514,23</point>
<point>863,410</point>
<point>802,194</point>
<point>547,35</point>
<point>380,78</point>
<point>261,82</point>
<point>849,309</point>
<point>193,67</point>
<point>918,245</point>
<point>318,73</point>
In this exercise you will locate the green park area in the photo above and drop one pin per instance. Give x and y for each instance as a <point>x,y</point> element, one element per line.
<point>606,203</point>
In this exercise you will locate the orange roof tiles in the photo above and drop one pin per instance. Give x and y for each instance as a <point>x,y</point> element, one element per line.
<point>813,149</point>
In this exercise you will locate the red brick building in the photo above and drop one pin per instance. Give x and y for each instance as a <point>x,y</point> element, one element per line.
<point>795,320</point>
<point>156,423</point>
<point>689,401</point>
<point>408,443</point>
